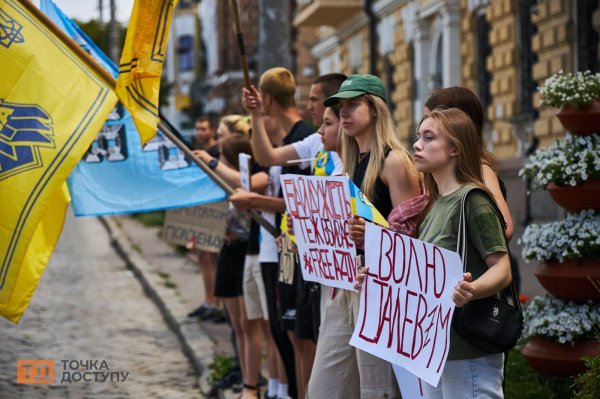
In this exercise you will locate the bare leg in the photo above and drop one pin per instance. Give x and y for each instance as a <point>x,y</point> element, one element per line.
<point>208,262</point>
<point>253,346</point>
<point>300,346</point>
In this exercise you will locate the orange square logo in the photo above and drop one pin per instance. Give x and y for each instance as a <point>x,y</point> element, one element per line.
<point>35,371</point>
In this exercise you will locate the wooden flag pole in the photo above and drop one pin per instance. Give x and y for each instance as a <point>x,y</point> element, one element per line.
<point>169,131</point>
<point>240,41</point>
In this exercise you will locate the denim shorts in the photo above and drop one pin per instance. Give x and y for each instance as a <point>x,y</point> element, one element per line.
<point>470,379</point>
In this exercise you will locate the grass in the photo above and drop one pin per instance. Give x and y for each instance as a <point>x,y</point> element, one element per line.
<point>150,219</point>
<point>523,383</point>
<point>164,275</point>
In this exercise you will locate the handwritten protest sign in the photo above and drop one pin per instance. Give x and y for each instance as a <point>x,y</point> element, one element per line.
<point>320,208</point>
<point>406,302</point>
<point>410,385</point>
<point>202,226</point>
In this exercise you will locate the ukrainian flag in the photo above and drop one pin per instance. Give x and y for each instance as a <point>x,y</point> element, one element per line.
<point>142,61</point>
<point>52,105</point>
<point>361,206</point>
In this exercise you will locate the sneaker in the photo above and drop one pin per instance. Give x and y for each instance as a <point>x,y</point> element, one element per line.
<point>199,312</point>
<point>261,381</point>
<point>232,377</point>
<point>215,315</point>
<point>238,386</point>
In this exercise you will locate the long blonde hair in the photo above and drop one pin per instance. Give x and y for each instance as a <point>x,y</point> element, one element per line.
<point>384,137</point>
<point>461,132</point>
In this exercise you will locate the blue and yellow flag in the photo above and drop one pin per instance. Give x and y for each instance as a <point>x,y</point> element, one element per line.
<point>117,174</point>
<point>142,61</point>
<point>361,206</point>
<point>52,105</point>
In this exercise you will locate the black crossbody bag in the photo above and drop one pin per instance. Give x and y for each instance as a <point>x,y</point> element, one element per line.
<point>492,323</point>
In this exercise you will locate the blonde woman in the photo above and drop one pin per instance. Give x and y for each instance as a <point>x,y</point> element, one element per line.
<point>377,162</point>
<point>233,124</point>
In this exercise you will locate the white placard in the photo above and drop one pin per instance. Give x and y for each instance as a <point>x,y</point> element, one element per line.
<point>244,161</point>
<point>320,208</point>
<point>406,303</point>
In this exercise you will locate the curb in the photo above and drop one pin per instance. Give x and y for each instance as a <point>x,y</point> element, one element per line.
<point>195,342</point>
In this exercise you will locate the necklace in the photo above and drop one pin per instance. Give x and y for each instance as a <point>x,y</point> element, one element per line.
<point>362,156</point>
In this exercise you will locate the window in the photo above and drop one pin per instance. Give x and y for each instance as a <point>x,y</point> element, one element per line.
<point>185,52</point>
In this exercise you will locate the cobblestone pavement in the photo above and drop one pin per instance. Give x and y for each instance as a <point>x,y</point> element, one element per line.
<point>89,306</point>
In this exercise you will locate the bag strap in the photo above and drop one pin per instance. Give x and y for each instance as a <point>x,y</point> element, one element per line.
<point>461,242</point>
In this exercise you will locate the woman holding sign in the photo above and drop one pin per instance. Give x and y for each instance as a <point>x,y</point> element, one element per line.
<point>381,167</point>
<point>449,152</point>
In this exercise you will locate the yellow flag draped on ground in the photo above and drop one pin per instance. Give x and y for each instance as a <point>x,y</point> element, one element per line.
<point>142,61</point>
<point>52,105</point>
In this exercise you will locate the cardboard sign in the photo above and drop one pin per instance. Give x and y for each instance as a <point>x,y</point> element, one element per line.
<point>287,260</point>
<point>202,226</point>
<point>406,303</point>
<point>320,208</point>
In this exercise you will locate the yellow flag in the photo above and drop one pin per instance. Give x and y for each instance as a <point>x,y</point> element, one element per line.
<point>52,105</point>
<point>142,61</point>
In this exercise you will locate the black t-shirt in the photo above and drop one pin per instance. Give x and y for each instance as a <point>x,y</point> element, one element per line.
<point>382,200</point>
<point>214,151</point>
<point>299,132</point>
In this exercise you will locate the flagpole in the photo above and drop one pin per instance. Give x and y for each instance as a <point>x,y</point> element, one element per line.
<point>240,41</point>
<point>168,131</point>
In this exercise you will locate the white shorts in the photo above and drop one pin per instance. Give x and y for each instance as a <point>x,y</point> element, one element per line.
<point>255,296</point>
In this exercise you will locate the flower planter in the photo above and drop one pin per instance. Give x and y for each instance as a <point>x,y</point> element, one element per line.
<point>553,359</point>
<point>585,195</point>
<point>569,280</point>
<point>581,121</point>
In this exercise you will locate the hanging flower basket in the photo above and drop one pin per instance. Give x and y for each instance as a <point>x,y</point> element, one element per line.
<point>569,280</point>
<point>559,333</point>
<point>553,359</point>
<point>576,238</point>
<point>571,161</point>
<point>577,198</point>
<point>580,121</point>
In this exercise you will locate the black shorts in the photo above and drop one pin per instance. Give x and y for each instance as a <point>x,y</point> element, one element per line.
<point>230,269</point>
<point>308,307</point>
<point>281,298</point>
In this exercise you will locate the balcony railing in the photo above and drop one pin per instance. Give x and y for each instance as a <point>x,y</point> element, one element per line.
<point>326,12</point>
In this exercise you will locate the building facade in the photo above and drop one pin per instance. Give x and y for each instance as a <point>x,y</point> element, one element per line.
<point>500,49</point>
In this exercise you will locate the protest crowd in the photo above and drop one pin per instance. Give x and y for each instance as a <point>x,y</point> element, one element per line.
<point>303,328</point>
<point>350,262</point>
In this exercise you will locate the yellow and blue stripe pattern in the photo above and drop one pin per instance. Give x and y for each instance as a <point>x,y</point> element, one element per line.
<point>361,206</point>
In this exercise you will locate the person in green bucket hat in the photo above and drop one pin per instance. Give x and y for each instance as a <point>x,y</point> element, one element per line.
<point>381,167</point>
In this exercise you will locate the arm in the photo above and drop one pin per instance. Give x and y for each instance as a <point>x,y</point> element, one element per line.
<point>496,278</point>
<point>244,200</point>
<point>232,176</point>
<point>490,180</point>
<point>403,184</point>
<point>265,153</point>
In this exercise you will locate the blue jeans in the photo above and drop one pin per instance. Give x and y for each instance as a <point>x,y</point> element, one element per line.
<point>479,378</point>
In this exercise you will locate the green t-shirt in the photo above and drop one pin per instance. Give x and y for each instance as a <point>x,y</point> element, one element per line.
<point>485,236</point>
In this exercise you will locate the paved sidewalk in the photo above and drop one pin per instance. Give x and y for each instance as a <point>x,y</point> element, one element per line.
<point>174,282</point>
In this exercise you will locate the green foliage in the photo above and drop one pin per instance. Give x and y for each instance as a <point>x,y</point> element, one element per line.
<point>99,33</point>
<point>150,219</point>
<point>521,382</point>
<point>587,384</point>
<point>219,367</point>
